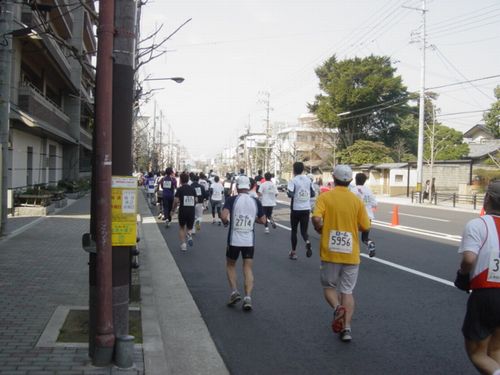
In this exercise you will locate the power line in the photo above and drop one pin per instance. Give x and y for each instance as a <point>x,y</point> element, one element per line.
<point>463,82</point>
<point>462,113</point>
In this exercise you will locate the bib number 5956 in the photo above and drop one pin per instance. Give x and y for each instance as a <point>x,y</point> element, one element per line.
<point>340,242</point>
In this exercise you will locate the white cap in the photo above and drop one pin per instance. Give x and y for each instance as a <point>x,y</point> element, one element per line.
<point>243,182</point>
<point>342,172</point>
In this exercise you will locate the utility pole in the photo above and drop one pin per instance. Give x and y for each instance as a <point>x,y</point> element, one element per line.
<point>6,22</point>
<point>153,146</point>
<point>104,338</point>
<point>123,102</point>
<point>421,110</point>
<point>268,109</point>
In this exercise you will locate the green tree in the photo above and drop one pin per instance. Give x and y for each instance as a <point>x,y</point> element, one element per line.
<point>444,143</point>
<point>362,152</point>
<point>492,117</point>
<point>370,94</point>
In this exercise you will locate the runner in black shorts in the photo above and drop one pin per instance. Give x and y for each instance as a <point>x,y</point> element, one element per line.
<point>185,198</point>
<point>244,211</point>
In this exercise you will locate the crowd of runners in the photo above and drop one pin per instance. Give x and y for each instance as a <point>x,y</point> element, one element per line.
<point>239,201</point>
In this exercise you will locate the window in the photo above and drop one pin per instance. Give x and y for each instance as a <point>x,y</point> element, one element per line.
<point>399,178</point>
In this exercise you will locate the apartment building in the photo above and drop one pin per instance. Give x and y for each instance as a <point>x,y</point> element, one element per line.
<point>51,96</point>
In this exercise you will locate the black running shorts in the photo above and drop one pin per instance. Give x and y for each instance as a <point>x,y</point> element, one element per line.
<point>186,219</point>
<point>232,252</point>
<point>483,314</point>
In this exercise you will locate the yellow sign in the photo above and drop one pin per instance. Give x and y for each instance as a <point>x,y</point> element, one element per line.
<point>123,211</point>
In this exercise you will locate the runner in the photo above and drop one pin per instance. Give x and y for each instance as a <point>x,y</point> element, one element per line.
<point>198,209</point>
<point>268,193</point>
<point>159,194</point>
<point>216,193</point>
<point>169,184</point>
<point>338,217</point>
<point>479,271</point>
<point>206,185</point>
<point>185,198</point>
<point>258,179</point>
<point>365,194</point>
<point>150,189</point>
<point>244,211</point>
<point>300,190</point>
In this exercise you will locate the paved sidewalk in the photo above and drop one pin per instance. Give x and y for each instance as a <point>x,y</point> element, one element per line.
<point>43,271</point>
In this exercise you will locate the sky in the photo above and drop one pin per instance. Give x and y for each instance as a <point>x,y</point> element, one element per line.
<point>234,54</point>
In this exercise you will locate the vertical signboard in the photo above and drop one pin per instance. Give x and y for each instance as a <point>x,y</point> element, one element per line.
<point>124,211</point>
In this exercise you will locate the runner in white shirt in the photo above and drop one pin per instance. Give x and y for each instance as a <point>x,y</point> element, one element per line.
<point>480,272</point>
<point>267,194</point>
<point>300,190</point>
<point>216,195</point>
<point>243,212</point>
<point>366,195</point>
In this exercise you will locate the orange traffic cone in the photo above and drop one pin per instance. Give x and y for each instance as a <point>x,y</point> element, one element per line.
<point>395,216</point>
<point>482,212</point>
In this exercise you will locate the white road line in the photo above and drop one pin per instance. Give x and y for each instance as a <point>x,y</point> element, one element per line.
<point>423,217</point>
<point>397,266</point>
<point>410,270</point>
<point>423,232</point>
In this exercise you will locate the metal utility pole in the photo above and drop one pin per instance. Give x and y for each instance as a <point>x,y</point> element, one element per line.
<point>421,111</point>
<point>105,338</point>
<point>123,102</point>
<point>153,147</point>
<point>266,101</point>
<point>6,22</point>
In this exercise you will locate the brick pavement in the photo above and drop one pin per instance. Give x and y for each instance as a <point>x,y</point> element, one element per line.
<point>40,269</point>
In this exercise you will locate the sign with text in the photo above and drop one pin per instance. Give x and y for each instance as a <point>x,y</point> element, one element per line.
<point>123,211</point>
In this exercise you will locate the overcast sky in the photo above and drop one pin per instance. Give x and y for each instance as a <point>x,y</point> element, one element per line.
<point>232,51</point>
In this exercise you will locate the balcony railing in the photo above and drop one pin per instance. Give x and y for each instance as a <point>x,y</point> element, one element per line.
<point>32,101</point>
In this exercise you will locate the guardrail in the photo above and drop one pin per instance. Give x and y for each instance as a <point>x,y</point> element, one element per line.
<point>452,199</point>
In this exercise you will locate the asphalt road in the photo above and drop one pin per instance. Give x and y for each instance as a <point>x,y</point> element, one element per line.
<point>405,322</point>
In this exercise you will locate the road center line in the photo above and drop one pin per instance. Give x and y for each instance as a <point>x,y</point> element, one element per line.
<point>395,265</point>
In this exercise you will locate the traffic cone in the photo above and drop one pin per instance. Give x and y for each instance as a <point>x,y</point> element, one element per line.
<point>482,212</point>
<point>395,216</point>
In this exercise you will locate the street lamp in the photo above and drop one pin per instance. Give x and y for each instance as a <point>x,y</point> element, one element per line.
<point>176,79</point>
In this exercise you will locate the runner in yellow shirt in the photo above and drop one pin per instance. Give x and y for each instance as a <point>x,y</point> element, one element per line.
<point>338,216</point>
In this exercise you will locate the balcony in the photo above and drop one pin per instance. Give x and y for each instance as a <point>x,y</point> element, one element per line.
<point>33,102</point>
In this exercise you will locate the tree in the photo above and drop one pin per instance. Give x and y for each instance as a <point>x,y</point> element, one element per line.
<point>492,117</point>
<point>367,90</point>
<point>362,152</point>
<point>443,143</point>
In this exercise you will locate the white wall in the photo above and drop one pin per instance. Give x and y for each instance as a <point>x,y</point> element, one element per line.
<point>20,143</point>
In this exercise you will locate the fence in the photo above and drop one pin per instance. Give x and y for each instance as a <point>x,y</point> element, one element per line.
<point>453,199</point>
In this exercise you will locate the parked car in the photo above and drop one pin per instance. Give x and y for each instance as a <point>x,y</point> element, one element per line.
<point>281,184</point>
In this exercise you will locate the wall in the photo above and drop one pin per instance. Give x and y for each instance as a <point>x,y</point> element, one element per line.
<point>20,143</point>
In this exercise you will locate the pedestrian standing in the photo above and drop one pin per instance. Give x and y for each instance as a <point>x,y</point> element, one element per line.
<point>300,190</point>
<point>480,272</point>
<point>368,198</point>
<point>427,190</point>
<point>339,215</point>
<point>241,212</point>
<point>433,190</point>
<point>185,198</point>
<point>267,193</point>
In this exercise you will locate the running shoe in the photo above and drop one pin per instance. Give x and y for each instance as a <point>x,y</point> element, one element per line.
<point>234,298</point>
<point>213,221</point>
<point>273,224</point>
<point>345,335</point>
<point>292,255</point>
<point>198,226</point>
<point>266,230</point>
<point>371,248</point>
<point>167,224</point>
<point>220,223</point>
<point>160,215</point>
<point>338,319</point>
<point>190,239</point>
<point>247,303</point>
<point>183,246</point>
<point>309,251</point>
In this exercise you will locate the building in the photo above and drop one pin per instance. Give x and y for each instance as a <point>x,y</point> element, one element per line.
<point>51,97</point>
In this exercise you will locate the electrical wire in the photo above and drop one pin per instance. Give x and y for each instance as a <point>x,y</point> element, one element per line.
<point>463,82</point>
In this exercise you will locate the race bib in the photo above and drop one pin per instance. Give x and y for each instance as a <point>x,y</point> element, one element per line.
<point>198,191</point>
<point>243,223</point>
<point>494,267</point>
<point>217,196</point>
<point>188,201</point>
<point>340,242</point>
<point>303,195</point>
<point>167,184</point>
